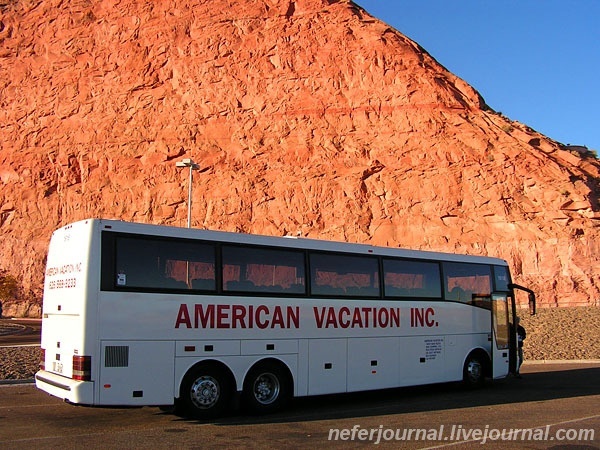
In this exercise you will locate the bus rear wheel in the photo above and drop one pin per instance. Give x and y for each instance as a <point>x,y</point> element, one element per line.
<point>267,388</point>
<point>205,392</point>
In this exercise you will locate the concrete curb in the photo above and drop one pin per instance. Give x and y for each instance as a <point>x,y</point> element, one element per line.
<point>560,361</point>
<point>24,319</point>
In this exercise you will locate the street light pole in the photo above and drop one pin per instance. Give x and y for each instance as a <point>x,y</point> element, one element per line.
<point>187,162</point>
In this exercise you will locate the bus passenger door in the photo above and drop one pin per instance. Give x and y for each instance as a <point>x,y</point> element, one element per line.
<point>500,336</point>
<point>512,338</point>
<point>514,349</point>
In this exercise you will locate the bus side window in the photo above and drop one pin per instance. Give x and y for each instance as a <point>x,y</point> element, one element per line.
<point>149,264</point>
<point>411,279</point>
<point>263,270</point>
<point>203,284</point>
<point>468,283</point>
<point>344,275</point>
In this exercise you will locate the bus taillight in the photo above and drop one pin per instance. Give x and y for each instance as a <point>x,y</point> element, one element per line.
<point>82,368</point>
<point>43,359</point>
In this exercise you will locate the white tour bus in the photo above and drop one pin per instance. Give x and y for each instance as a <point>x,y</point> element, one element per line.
<point>138,314</point>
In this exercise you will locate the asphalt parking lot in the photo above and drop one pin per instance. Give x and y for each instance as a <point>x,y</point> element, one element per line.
<point>552,406</point>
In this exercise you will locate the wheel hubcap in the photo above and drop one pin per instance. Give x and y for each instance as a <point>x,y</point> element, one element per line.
<point>266,388</point>
<point>474,370</point>
<point>205,392</point>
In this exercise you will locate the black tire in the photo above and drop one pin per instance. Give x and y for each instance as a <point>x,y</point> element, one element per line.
<point>206,392</point>
<point>474,370</point>
<point>267,388</point>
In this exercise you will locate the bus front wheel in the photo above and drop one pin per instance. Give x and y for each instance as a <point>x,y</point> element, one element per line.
<point>267,387</point>
<point>205,391</point>
<point>474,370</point>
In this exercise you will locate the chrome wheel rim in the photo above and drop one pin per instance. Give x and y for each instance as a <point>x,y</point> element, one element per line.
<point>266,388</point>
<point>474,371</point>
<point>205,392</point>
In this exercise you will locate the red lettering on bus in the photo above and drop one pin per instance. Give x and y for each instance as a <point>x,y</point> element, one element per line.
<point>420,317</point>
<point>207,318</point>
<point>360,317</point>
<point>319,317</point>
<point>238,314</point>
<point>395,317</point>
<point>366,315</point>
<point>429,321</point>
<point>259,322</point>
<point>251,316</point>
<point>277,318</point>
<point>344,320</point>
<point>331,319</point>
<point>293,315</point>
<point>222,316</point>
<point>241,316</point>
<point>357,319</point>
<point>183,317</point>
<point>383,321</point>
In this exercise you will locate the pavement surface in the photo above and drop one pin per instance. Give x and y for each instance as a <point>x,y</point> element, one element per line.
<point>553,406</point>
<point>16,332</point>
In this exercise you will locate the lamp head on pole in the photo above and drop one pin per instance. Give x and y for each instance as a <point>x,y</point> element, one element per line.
<point>188,162</point>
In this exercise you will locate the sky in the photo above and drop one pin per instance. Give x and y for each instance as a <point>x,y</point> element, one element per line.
<point>536,61</point>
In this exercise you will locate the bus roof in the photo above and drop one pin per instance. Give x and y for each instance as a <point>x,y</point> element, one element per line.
<point>278,241</point>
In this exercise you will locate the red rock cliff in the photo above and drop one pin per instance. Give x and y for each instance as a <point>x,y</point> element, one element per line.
<point>307,116</point>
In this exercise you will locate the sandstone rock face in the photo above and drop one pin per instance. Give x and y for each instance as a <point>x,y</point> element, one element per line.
<point>306,116</point>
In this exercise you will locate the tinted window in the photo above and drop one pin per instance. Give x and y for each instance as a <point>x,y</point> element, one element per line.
<point>353,276</point>
<point>250,269</point>
<point>403,278</point>
<point>143,263</point>
<point>467,283</point>
<point>502,278</point>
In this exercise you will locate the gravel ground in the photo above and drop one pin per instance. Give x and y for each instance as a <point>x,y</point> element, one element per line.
<point>17,363</point>
<point>552,334</point>
<point>562,333</point>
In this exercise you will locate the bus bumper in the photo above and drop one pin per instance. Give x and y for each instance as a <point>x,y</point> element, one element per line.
<point>72,391</point>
